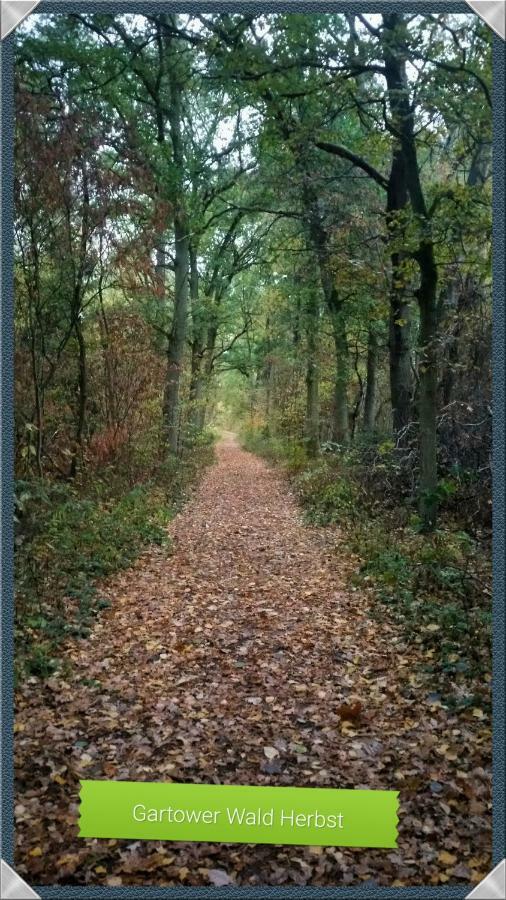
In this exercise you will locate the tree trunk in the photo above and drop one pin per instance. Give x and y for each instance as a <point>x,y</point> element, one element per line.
<point>454,300</point>
<point>370,388</point>
<point>312,422</point>
<point>36,363</point>
<point>82,398</point>
<point>400,341</point>
<point>177,337</point>
<point>196,385</point>
<point>38,396</point>
<point>340,421</point>
<point>267,378</point>
<point>111,415</point>
<point>196,393</point>
<point>403,120</point>
<point>401,371</point>
<point>77,310</point>
<point>428,391</point>
<point>319,240</point>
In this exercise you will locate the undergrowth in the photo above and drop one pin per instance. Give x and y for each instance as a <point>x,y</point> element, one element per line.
<point>436,586</point>
<point>68,535</point>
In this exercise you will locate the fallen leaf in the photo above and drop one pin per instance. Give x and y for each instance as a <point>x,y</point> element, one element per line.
<point>219,877</point>
<point>271,752</point>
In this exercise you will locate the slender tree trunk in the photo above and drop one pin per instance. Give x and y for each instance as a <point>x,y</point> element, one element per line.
<point>111,416</point>
<point>196,393</point>
<point>77,308</point>
<point>401,372</point>
<point>35,360</point>
<point>340,423</point>
<point>451,315</point>
<point>206,365</point>
<point>199,399</point>
<point>196,384</point>
<point>110,400</point>
<point>296,322</point>
<point>370,387</point>
<point>36,323</point>
<point>82,398</point>
<point>428,390</point>
<point>319,239</point>
<point>177,337</point>
<point>38,396</point>
<point>312,423</point>
<point>268,378</point>
<point>400,341</point>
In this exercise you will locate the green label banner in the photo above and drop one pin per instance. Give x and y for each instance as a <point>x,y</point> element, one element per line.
<point>238,814</point>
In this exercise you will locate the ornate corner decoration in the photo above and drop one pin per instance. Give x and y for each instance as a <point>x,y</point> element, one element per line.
<point>493,887</point>
<point>493,12</point>
<point>13,887</point>
<point>12,12</point>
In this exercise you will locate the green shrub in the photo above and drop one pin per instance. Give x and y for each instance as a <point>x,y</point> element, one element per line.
<point>327,496</point>
<point>434,586</point>
<point>290,454</point>
<point>66,541</point>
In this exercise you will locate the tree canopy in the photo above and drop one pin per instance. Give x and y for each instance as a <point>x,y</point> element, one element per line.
<point>285,216</point>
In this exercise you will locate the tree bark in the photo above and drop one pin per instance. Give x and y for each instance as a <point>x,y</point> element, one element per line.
<point>177,336</point>
<point>319,240</point>
<point>38,396</point>
<point>428,389</point>
<point>341,418</point>
<point>403,123</point>
<point>400,365</point>
<point>401,375</point>
<point>82,398</point>
<point>312,422</point>
<point>267,378</point>
<point>34,318</point>
<point>77,310</point>
<point>111,415</point>
<point>196,393</point>
<point>370,387</point>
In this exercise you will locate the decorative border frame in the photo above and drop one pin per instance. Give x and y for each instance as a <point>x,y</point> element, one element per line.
<point>492,888</point>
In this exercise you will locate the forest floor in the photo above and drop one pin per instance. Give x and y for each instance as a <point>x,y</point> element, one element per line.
<point>242,655</point>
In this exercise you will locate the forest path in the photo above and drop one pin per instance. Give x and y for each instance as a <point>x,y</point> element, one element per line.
<point>233,659</point>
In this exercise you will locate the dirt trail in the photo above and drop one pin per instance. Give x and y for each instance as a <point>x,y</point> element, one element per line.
<point>246,635</point>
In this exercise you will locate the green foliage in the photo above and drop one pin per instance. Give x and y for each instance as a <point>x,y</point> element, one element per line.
<point>66,541</point>
<point>41,661</point>
<point>434,585</point>
<point>291,455</point>
<point>201,437</point>
<point>75,541</point>
<point>328,497</point>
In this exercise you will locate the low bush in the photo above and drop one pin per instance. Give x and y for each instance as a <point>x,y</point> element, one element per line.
<point>70,535</point>
<point>436,586</point>
<point>290,454</point>
<point>326,495</point>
